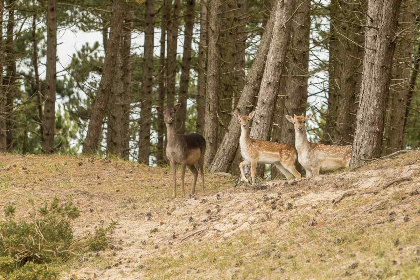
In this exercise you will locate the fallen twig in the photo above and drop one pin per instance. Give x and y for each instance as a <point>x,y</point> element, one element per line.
<point>192,234</point>
<point>347,194</point>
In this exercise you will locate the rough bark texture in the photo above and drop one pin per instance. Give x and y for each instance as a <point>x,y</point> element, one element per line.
<point>186,65</point>
<point>229,145</point>
<point>161,82</point>
<point>99,108</point>
<point>118,118</point>
<point>36,84</point>
<point>412,85</point>
<point>202,68</point>
<point>346,56</point>
<point>213,71</point>
<point>3,143</point>
<point>394,129</point>
<point>293,92</point>
<point>10,78</point>
<point>261,127</point>
<point>380,34</point>
<point>50,79</point>
<point>147,88</point>
<point>171,69</point>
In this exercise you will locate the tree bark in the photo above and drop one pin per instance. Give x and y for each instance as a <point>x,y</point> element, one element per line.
<point>379,51</point>
<point>171,69</point>
<point>394,129</point>
<point>3,142</point>
<point>276,58</point>
<point>186,65</point>
<point>99,108</point>
<point>202,68</point>
<point>346,56</point>
<point>412,86</point>
<point>10,79</point>
<point>36,86</point>
<point>213,72</point>
<point>229,145</point>
<point>50,79</point>
<point>147,89</point>
<point>161,82</point>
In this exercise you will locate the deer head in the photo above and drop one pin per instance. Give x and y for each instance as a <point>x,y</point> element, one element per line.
<point>244,119</point>
<point>169,113</point>
<point>299,121</point>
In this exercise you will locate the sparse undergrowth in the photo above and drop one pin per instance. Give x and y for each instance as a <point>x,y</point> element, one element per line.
<point>352,225</point>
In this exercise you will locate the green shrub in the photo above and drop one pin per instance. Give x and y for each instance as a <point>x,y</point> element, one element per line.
<point>99,240</point>
<point>26,247</point>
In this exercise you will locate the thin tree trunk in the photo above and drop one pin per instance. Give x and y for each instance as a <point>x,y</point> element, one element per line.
<point>213,72</point>
<point>379,51</point>
<point>412,86</point>
<point>202,67</point>
<point>276,58</point>
<point>186,65</point>
<point>99,108</point>
<point>229,145</point>
<point>37,87</point>
<point>171,69</point>
<point>161,81</point>
<point>394,129</point>
<point>50,79</point>
<point>3,143</point>
<point>147,90</point>
<point>10,80</point>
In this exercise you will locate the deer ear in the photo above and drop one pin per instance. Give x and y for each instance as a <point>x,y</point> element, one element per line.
<point>290,118</point>
<point>251,115</point>
<point>236,116</point>
<point>177,106</point>
<point>158,109</point>
<point>309,116</point>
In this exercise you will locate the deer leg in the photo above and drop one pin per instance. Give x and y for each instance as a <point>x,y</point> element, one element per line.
<point>284,171</point>
<point>195,172</point>
<point>173,167</point>
<point>308,173</point>
<point>241,168</point>
<point>292,169</point>
<point>253,170</point>
<point>183,166</point>
<point>315,171</point>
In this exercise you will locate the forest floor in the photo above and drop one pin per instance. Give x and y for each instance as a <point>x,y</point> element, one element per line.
<point>357,225</point>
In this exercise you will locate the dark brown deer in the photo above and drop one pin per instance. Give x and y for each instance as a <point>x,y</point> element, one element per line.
<point>186,150</point>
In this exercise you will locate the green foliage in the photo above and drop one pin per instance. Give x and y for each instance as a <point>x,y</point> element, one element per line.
<point>27,247</point>
<point>99,241</point>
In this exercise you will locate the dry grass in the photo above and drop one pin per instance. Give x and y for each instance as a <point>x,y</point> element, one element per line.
<point>356,225</point>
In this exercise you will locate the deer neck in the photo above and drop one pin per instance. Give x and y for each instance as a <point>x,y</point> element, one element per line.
<point>245,134</point>
<point>301,141</point>
<point>170,133</point>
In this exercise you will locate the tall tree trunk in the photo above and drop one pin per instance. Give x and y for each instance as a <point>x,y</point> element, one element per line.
<point>293,91</point>
<point>379,51</point>
<point>186,65</point>
<point>3,143</point>
<point>118,119</point>
<point>412,86</point>
<point>171,69</point>
<point>99,108</point>
<point>276,58</point>
<point>36,86</point>
<point>202,67</point>
<point>124,149</point>
<point>147,89</point>
<point>394,129</point>
<point>50,79</point>
<point>161,81</point>
<point>346,56</point>
<point>229,146</point>
<point>213,72</point>
<point>10,79</point>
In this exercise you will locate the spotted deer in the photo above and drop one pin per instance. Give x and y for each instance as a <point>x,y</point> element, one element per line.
<point>317,157</point>
<point>186,150</point>
<point>283,156</point>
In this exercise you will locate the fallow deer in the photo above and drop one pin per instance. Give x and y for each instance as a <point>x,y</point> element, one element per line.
<point>186,150</point>
<point>317,157</point>
<point>283,156</point>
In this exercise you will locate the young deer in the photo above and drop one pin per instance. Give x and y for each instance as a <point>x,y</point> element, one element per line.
<point>187,150</point>
<point>317,157</point>
<point>283,156</point>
